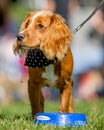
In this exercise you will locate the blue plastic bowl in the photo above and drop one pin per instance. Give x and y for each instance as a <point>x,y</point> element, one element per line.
<point>61,119</point>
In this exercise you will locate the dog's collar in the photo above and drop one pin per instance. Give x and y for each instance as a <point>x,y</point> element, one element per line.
<point>35,58</point>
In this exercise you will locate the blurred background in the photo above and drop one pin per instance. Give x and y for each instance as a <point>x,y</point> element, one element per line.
<point>87,48</point>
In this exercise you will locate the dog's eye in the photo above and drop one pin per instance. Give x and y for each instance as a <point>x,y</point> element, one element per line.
<point>27,24</point>
<point>40,26</point>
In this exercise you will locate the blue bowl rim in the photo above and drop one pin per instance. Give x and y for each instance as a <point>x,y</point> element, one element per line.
<point>72,119</point>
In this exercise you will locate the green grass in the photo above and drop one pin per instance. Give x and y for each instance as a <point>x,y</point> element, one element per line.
<point>16,116</point>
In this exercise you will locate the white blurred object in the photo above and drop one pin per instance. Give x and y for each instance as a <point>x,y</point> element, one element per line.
<point>2,93</point>
<point>9,63</point>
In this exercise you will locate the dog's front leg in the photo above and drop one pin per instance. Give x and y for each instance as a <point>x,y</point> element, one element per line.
<point>66,101</point>
<point>34,91</point>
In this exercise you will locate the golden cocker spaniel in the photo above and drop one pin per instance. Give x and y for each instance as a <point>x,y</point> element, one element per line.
<point>45,38</point>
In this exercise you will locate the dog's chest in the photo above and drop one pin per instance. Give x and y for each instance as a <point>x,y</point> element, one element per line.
<point>49,75</point>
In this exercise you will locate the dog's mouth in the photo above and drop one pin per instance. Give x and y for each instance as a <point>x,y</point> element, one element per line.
<point>23,49</point>
<point>34,56</point>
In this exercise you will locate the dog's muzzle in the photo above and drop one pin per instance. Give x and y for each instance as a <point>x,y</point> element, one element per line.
<point>20,38</point>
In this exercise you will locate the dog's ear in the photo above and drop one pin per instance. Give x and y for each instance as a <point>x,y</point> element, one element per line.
<point>58,38</point>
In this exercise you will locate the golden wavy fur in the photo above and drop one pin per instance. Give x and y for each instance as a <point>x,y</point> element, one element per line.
<point>40,34</point>
<point>49,33</point>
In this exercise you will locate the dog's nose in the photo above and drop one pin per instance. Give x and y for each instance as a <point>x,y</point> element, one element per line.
<point>20,37</point>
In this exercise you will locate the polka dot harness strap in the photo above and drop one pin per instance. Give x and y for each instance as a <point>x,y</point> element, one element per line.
<point>35,58</point>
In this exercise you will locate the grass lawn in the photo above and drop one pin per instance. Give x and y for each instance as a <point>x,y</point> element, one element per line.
<point>16,116</point>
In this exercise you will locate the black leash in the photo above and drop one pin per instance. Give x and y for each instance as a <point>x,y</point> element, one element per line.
<point>86,20</point>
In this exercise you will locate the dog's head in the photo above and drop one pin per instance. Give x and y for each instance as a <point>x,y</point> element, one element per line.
<point>46,31</point>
